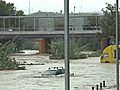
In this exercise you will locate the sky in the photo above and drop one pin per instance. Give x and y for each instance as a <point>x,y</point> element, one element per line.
<point>57,5</point>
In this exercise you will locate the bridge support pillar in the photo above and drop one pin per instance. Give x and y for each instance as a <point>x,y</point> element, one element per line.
<point>103,43</point>
<point>106,42</point>
<point>42,46</point>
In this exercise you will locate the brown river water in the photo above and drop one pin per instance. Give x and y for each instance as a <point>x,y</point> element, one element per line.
<point>88,73</point>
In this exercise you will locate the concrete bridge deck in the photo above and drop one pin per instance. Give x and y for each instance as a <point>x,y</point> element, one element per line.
<point>47,34</point>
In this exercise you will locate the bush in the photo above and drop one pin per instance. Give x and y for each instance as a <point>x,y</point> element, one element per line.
<point>7,63</point>
<point>57,49</point>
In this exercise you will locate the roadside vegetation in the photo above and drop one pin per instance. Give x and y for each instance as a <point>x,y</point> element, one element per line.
<point>75,49</point>
<point>7,63</point>
<point>108,22</point>
<point>6,48</point>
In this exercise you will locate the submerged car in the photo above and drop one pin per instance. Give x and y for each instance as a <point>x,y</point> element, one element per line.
<point>54,71</point>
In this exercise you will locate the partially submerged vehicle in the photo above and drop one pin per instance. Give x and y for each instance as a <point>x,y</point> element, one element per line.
<point>109,54</point>
<point>53,71</point>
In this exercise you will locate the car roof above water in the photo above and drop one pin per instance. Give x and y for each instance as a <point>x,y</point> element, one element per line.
<point>55,68</point>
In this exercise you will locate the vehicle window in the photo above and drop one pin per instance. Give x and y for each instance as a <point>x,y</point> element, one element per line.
<point>50,72</point>
<point>58,72</point>
<point>63,71</point>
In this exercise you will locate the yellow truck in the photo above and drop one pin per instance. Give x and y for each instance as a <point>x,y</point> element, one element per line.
<point>109,54</point>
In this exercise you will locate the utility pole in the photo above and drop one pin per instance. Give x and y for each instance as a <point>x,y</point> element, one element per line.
<point>66,45</point>
<point>117,44</point>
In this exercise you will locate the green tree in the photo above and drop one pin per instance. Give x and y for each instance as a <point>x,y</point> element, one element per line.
<point>108,21</point>
<point>7,63</point>
<point>19,13</point>
<point>8,9</point>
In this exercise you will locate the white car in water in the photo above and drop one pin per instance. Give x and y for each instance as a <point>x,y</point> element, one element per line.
<point>54,71</point>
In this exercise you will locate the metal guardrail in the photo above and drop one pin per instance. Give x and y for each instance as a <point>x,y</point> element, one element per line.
<point>44,23</point>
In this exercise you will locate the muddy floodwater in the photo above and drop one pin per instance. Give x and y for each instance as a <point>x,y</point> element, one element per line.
<point>88,73</point>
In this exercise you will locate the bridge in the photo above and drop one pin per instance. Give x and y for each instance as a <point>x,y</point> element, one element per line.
<point>35,27</point>
<point>45,26</point>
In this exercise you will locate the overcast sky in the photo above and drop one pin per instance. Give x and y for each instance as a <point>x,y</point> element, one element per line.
<point>57,5</point>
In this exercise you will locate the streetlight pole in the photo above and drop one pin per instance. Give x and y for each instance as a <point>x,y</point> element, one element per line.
<point>66,39</point>
<point>74,19</point>
<point>15,18</point>
<point>96,21</point>
<point>74,9</point>
<point>117,44</point>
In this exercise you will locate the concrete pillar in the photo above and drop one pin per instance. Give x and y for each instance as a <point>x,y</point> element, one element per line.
<point>103,43</point>
<point>42,46</point>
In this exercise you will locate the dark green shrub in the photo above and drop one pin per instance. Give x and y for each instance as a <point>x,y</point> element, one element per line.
<point>57,49</point>
<point>7,63</point>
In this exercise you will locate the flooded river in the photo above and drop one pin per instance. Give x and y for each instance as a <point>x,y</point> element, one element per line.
<point>88,72</point>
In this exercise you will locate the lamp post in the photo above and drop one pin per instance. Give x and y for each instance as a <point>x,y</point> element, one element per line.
<point>117,45</point>
<point>74,19</point>
<point>96,21</point>
<point>15,17</point>
<point>74,9</point>
<point>66,40</point>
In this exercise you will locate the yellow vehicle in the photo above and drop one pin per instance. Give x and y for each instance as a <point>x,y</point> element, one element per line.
<point>109,54</point>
